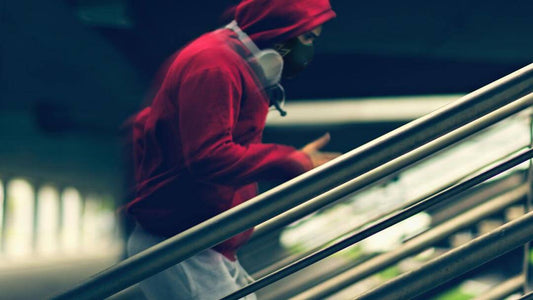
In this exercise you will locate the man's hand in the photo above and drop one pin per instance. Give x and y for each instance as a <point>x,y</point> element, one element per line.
<point>313,150</point>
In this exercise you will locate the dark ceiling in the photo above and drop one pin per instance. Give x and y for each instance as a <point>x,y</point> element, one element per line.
<point>85,65</point>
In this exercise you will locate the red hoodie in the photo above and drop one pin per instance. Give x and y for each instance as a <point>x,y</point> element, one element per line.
<point>197,148</point>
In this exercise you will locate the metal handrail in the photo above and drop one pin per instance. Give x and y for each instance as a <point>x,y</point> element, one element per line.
<point>383,224</point>
<point>394,165</point>
<point>528,296</point>
<point>295,257</point>
<point>417,244</point>
<point>323,284</point>
<point>503,289</point>
<point>305,187</point>
<point>456,262</point>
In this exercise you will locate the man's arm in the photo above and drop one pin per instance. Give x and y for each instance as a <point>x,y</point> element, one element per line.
<point>209,102</point>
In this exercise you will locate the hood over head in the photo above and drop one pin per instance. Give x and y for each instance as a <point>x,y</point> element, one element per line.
<point>268,22</point>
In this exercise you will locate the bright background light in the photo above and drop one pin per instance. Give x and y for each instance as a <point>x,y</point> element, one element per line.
<point>47,220</point>
<point>72,210</point>
<point>98,223</point>
<point>1,211</point>
<point>19,218</point>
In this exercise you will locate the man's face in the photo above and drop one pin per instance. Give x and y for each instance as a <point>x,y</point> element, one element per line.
<point>298,52</point>
<point>309,37</point>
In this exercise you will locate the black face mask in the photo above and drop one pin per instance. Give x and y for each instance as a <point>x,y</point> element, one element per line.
<point>296,56</point>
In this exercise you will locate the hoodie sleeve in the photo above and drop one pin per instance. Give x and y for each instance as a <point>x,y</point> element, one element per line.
<point>209,104</point>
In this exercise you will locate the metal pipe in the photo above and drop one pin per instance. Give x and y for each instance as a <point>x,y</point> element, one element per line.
<point>456,262</point>
<point>296,257</point>
<point>528,296</point>
<point>311,284</point>
<point>393,166</point>
<point>381,225</point>
<point>414,246</point>
<point>306,186</point>
<point>528,205</point>
<point>503,289</point>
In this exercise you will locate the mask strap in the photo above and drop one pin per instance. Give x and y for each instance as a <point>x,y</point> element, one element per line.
<point>276,92</point>
<point>243,37</point>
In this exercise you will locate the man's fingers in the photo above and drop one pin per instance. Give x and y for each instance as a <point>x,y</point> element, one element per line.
<point>325,157</point>
<point>320,158</point>
<point>318,143</point>
<point>331,155</point>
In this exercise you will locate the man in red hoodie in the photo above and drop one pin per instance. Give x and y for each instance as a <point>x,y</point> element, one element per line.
<point>198,149</point>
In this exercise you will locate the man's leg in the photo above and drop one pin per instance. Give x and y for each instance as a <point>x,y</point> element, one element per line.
<point>172,283</point>
<point>206,275</point>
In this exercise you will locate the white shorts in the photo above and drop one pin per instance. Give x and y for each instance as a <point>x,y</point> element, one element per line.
<point>204,276</point>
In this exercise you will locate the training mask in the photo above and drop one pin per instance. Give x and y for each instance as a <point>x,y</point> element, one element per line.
<point>296,56</point>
